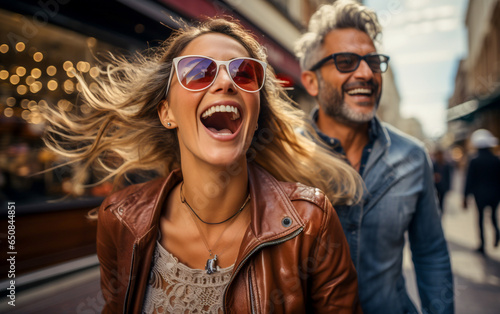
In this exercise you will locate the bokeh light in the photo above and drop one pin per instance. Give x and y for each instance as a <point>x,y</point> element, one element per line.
<point>38,56</point>
<point>52,85</point>
<point>8,112</point>
<point>51,70</point>
<point>36,73</point>
<point>22,89</point>
<point>11,101</point>
<point>21,71</point>
<point>20,46</point>
<point>4,74</point>
<point>14,79</point>
<point>67,65</point>
<point>4,48</point>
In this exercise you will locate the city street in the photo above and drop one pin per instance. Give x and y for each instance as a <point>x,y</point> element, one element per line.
<point>476,277</point>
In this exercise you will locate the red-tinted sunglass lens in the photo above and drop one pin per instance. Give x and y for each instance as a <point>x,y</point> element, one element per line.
<point>196,73</point>
<point>247,74</point>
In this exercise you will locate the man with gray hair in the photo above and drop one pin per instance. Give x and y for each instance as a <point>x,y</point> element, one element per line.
<point>343,71</point>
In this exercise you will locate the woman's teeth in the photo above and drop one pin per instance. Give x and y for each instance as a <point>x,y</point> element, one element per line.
<point>221,108</point>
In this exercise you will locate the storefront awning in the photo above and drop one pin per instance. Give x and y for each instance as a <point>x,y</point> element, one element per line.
<point>465,110</point>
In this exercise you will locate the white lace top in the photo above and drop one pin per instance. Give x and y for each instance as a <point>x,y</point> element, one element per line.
<point>175,288</point>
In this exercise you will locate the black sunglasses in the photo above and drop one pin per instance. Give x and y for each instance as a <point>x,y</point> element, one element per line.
<point>348,62</point>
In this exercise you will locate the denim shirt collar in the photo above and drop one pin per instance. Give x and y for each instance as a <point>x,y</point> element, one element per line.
<point>374,129</point>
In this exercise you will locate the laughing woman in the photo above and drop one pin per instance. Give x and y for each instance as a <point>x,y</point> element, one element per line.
<point>227,228</point>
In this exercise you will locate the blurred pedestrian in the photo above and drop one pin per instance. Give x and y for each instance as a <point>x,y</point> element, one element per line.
<point>223,232</point>
<point>343,71</point>
<point>483,181</point>
<point>442,176</point>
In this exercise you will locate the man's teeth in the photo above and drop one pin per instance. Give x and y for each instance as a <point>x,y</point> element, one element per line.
<point>221,108</point>
<point>360,91</point>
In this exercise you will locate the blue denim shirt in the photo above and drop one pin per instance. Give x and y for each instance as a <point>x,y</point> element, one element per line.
<point>399,198</point>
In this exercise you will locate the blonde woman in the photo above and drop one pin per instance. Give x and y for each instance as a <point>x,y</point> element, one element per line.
<point>227,228</point>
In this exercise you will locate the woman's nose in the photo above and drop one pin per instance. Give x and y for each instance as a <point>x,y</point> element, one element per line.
<point>223,82</point>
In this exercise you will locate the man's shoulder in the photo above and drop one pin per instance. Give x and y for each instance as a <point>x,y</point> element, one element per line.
<point>402,141</point>
<point>403,149</point>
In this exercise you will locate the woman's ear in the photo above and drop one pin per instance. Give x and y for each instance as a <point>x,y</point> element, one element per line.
<point>166,116</point>
<point>310,82</point>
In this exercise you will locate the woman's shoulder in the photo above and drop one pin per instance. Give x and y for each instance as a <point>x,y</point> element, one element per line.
<point>314,208</point>
<point>299,192</point>
<point>133,192</point>
<point>295,191</point>
<point>312,205</point>
<point>122,206</point>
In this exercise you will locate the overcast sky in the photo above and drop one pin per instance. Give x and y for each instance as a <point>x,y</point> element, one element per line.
<point>425,40</point>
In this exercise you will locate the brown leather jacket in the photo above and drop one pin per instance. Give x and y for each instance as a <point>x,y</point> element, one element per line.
<point>293,259</point>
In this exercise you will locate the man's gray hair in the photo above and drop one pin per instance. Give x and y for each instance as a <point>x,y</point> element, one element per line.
<point>342,14</point>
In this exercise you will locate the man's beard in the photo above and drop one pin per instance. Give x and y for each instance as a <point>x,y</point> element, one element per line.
<point>332,103</point>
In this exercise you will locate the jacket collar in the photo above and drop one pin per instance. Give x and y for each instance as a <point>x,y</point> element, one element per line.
<point>273,215</point>
<point>270,207</point>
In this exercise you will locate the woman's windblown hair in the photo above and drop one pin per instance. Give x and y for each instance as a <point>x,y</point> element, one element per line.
<point>116,130</point>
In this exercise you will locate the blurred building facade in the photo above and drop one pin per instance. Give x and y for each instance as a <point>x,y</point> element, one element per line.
<point>475,102</point>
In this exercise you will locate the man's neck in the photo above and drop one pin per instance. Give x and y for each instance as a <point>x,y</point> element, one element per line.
<point>352,137</point>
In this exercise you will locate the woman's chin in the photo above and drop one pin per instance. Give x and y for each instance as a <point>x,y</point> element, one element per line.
<point>225,157</point>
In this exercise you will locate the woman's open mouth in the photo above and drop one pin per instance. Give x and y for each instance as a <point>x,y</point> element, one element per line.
<point>222,120</point>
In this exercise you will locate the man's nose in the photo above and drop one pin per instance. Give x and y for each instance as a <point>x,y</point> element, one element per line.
<point>363,71</point>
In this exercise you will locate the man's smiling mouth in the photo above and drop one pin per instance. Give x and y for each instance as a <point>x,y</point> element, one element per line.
<point>360,91</point>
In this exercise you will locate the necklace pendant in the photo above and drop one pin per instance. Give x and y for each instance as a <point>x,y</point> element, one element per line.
<point>211,266</point>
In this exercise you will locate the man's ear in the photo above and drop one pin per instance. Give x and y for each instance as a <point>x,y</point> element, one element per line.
<point>310,82</point>
<point>166,116</point>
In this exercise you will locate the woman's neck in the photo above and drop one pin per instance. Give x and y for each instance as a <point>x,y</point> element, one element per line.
<point>215,192</point>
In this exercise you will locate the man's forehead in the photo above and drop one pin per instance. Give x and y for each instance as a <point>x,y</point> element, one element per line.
<point>348,40</point>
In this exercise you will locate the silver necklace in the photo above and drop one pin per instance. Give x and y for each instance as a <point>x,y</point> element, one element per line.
<point>211,265</point>
<point>184,201</point>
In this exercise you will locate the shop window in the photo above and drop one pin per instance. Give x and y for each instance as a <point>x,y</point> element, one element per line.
<point>34,70</point>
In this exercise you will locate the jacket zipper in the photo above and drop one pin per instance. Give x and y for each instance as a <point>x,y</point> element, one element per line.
<point>258,247</point>
<point>129,279</point>
<point>252,305</point>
